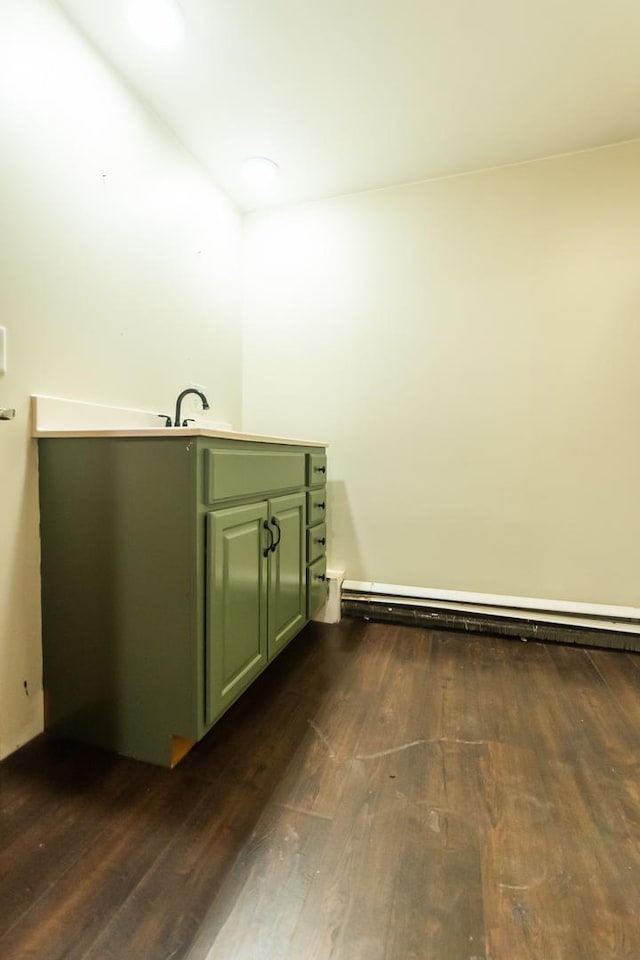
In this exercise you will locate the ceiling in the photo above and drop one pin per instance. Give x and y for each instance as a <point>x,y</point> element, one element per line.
<point>350,95</point>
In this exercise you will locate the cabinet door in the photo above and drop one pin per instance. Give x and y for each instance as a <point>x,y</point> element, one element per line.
<point>287,563</point>
<point>236,609</point>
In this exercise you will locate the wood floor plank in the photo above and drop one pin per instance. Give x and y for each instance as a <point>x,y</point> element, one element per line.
<point>26,798</point>
<point>72,913</point>
<point>162,915</point>
<point>543,912</point>
<point>259,904</point>
<point>77,810</point>
<point>523,864</point>
<point>316,781</point>
<point>313,792</point>
<point>564,908</point>
<point>397,777</point>
<point>437,905</point>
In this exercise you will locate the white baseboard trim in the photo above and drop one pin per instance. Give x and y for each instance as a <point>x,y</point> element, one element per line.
<point>574,613</point>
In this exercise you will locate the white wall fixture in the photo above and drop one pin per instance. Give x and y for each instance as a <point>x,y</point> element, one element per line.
<point>160,23</point>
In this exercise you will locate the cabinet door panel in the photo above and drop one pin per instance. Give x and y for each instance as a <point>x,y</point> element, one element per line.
<point>287,581</point>
<point>236,636</point>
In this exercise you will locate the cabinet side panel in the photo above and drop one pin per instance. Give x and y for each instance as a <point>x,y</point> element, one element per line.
<point>120,592</point>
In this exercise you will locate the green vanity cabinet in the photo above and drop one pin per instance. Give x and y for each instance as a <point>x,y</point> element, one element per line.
<point>174,569</point>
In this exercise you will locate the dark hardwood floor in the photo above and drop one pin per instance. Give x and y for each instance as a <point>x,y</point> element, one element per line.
<point>382,793</point>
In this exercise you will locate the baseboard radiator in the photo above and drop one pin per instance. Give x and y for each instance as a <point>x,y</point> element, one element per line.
<point>525,618</point>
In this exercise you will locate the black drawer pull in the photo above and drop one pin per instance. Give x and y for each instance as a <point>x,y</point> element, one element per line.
<point>321,576</point>
<point>322,540</point>
<point>267,550</point>
<point>320,469</point>
<point>274,521</point>
<point>321,506</point>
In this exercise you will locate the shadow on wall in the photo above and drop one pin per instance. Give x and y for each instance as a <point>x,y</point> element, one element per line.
<point>344,552</point>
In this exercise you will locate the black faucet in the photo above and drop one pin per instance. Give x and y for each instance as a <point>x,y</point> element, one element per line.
<point>185,393</point>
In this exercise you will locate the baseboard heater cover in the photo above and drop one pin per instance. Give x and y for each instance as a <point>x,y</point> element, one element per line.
<point>527,618</point>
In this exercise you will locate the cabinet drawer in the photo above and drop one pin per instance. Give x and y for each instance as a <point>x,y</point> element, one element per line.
<point>316,469</point>
<point>242,473</point>
<point>316,542</point>
<point>317,586</point>
<point>316,506</point>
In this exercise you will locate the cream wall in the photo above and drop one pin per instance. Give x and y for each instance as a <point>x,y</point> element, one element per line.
<point>469,347</point>
<point>119,284</point>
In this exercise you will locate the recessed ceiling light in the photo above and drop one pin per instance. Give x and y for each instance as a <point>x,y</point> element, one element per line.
<point>159,23</point>
<point>260,175</point>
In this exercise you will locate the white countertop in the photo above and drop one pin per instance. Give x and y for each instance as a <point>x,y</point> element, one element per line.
<point>53,417</point>
<point>169,433</point>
